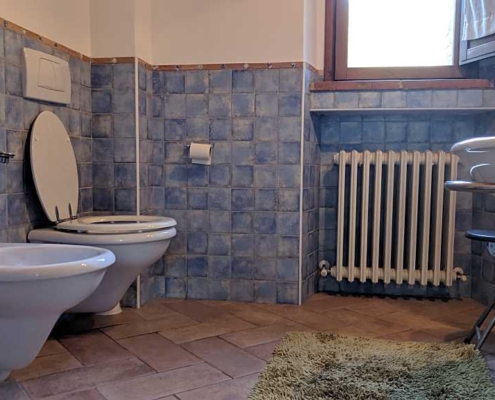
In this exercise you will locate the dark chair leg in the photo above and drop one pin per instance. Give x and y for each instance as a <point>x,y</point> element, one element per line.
<point>476,330</point>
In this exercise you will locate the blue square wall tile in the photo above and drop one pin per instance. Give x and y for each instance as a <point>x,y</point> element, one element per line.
<point>196,105</point>
<point>102,150</point>
<point>102,76</point>
<point>243,129</point>
<point>290,129</point>
<point>124,175</point>
<point>219,244</point>
<point>102,175</point>
<point>220,221</point>
<point>219,267</point>
<point>221,81</point>
<point>242,267</point>
<point>197,128</point>
<point>242,105</point>
<point>123,76</point>
<point>265,200</point>
<point>419,99</point>
<point>265,292</point>
<point>266,153</point>
<point>289,176</point>
<point>266,80</point>
<point>287,293</point>
<point>156,106</point>
<point>288,246</point>
<point>124,150</point>
<point>197,266</point>
<point>290,104</point>
<point>242,245</point>
<point>123,101</point>
<point>351,132</point>
<point>175,175</point>
<point>175,198</point>
<point>220,175</point>
<point>221,153</point>
<point>197,243</point>
<point>174,82</point>
<point>267,105</point>
<point>197,198</point>
<point>197,288</point>
<point>346,100</point>
<point>197,221</point>
<point>242,199</point>
<point>242,222</point>
<point>373,131</point>
<point>218,290</point>
<point>175,106</point>
<point>102,126</point>
<point>219,199</point>
<point>242,153</point>
<point>13,80</point>
<point>221,129</point>
<point>156,128</point>
<point>175,288</point>
<point>265,246</point>
<point>219,105</point>
<point>242,176</point>
<point>289,153</point>
<point>288,269</point>
<point>196,82</point>
<point>125,200</point>
<point>265,223</point>
<point>197,175</point>
<point>175,266</point>
<point>124,125</point>
<point>175,129</point>
<point>442,132</point>
<point>13,47</point>
<point>267,129</point>
<point>265,176</point>
<point>291,80</point>
<point>175,153</point>
<point>242,290</point>
<point>101,101</point>
<point>470,98</point>
<point>242,81</point>
<point>288,223</point>
<point>396,132</point>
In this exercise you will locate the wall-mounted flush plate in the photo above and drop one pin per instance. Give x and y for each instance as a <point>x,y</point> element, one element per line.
<point>491,249</point>
<point>46,77</point>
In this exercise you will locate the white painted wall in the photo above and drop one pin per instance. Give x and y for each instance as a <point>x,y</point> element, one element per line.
<point>143,29</point>
<point>314,32</point>
<point>227,31</point>
<point>63,21</point>
<point>112,28</point>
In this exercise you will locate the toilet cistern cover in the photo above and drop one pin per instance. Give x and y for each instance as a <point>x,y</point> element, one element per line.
<point>54,168</point>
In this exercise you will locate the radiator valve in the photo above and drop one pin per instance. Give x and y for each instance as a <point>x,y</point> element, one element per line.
<point>324,267</point>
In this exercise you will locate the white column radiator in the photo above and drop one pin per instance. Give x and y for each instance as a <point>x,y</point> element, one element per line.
<point>395,220</point>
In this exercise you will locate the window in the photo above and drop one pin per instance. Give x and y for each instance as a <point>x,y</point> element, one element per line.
<point>393,39</point>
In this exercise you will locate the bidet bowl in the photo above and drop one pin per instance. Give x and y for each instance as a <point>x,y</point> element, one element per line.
<point>37,284</point>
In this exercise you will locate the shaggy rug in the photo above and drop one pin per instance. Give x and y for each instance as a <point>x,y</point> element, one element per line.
<point>328,366</point>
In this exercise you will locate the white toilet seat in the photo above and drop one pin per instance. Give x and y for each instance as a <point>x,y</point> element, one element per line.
<point>116,224</point>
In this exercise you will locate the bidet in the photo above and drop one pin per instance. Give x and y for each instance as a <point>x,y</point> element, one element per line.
<point>38,282</point>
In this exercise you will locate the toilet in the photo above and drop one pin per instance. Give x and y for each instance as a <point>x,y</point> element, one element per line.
<point>137,241</point>
<point>477,154</point>
<point>38,282</point>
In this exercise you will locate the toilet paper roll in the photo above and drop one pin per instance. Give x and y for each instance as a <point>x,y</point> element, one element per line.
<point>200,153</point>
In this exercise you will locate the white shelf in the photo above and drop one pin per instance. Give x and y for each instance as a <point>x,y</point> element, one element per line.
<point>456,110</point>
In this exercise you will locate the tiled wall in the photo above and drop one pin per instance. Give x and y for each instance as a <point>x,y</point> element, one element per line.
<point>238,219</point>
<point>20,210</point>
<point>384,131</point>
<point>114,138</point>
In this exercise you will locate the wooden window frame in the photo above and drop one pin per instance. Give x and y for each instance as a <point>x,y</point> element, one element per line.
<point>336,45</point>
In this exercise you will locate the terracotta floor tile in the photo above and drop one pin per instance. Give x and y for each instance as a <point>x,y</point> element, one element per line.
<point>127,316</point>
<point>12,390</point>
<point>228,358</point>
<point>344,315</point>
<point>379,326</point>
<point>144,327</point>
<point>413,336</point>
<point>353,331</point>
<point>257,316</point>
<point>235,389</point>
<point>85,378</point>
<point>327,302</point>
<point>199,311</point>
<point>205,330</point>
<point>264,334</point>
<point>91,394</point>
<point>263,351</point>
<point>164,383</point>
<point>310,319</point>
<point>47,365</point>
<point>155,309</point>
<point>158,352</point>
<point>93,348</point>
<point>375,308</point>
<point>52,347</point>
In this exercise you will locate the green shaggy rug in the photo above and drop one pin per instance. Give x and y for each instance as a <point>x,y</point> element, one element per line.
<point>327,366</point>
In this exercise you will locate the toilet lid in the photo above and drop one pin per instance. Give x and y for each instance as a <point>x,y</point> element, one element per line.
<point>54,168</point>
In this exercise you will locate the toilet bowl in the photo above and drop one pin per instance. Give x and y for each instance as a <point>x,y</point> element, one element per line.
<point>478,155</point>
<point>37,284</point>
<point>137,241</point>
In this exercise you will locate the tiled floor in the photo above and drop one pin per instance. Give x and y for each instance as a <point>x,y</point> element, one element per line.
<point>191,350</point>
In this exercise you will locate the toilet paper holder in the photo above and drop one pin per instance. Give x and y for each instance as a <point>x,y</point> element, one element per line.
<point>188,146</point>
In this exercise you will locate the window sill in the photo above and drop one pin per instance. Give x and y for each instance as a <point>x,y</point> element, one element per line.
<point>401,85</point>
